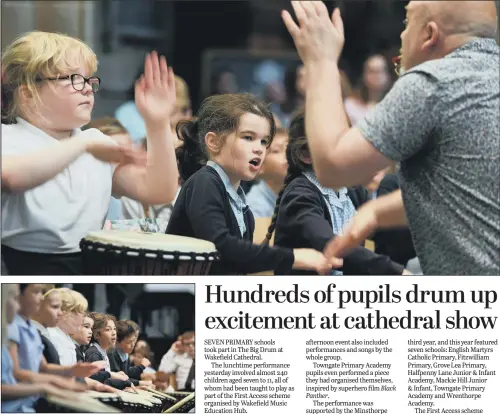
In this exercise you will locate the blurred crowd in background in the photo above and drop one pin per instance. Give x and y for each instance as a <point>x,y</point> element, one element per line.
<point>224,46</point>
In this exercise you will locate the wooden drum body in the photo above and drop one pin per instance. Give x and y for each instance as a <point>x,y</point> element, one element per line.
<point>114,252</point>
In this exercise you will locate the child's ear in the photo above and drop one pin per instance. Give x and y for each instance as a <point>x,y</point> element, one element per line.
<point>212,142</point>
<point>305,156</point>
<point>25,95</point>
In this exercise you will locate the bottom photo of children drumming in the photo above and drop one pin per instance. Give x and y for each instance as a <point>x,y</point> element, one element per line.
<point>98,348</point>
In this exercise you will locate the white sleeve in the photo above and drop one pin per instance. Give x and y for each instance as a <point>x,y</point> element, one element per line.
<point>168,363</point>
<point>95,134</point>
<point>12,142</point>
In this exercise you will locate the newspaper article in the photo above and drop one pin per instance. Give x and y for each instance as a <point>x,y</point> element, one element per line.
<point>348,345</point>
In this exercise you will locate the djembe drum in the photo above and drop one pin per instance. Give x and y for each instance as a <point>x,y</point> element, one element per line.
<point>73,402</point>
<point>184,405</point>
<point>167,401</point>
<point>114,252</point>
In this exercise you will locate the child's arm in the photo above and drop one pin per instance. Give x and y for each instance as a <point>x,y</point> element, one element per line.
<point>205,208</point>
<point>17,391</point>
<point>172,381</point>
<point>119,376</point>
<point>135,371</point>
<point>80,369</point>
<point>304,208</point>
<point>157,181</point>
<point>26,171</point>
<point>27,376</point>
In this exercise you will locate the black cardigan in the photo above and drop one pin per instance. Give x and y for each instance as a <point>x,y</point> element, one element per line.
<point>117,365</point>
<point>92,354</point>
<point>80,352</point>
<point>49,350</point>
<point>304,221</point>
<point>202,210</point>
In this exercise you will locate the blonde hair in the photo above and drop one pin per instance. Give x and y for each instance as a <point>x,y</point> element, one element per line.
<point>47,289</point>
<point>37,55</point>
<point>182,93</point>
<point>72,301</point>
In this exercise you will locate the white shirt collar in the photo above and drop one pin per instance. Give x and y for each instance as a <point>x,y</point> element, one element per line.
<point>43,330</point>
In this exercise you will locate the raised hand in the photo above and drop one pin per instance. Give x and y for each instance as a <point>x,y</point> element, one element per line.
<point>177,347</point>
<point>317,37</point>
<point>155,90</point>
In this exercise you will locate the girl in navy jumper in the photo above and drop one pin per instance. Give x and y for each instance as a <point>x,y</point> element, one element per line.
<point>226,144</point>
<point>310,215</point>
<point>103,340</point>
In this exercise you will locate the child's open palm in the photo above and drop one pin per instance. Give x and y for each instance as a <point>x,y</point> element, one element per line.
<point>155,90</point>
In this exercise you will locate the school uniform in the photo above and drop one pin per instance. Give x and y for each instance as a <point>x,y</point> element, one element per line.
<point>305,220</point>
<point>29,347</point>
<point>64,344</point>
<point>120,361</point>
<point>19,405</point>
<point>49,352</point>
<point>42,227</point>
<point>209,208</point>
<point>261,199</point>
<point>80,352</point>
<point>96,353</point>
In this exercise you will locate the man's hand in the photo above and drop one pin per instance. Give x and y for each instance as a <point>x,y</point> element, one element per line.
<point>362,225</point>
<point>317,37</point>
<point>384,212</point>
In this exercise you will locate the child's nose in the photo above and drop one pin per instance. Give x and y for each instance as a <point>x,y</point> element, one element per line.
<point>258,149</point>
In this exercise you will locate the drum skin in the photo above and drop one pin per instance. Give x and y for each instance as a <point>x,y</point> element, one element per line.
<point>113,252</point>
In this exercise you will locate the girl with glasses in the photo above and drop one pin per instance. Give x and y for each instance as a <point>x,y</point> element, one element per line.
<point>57,180</point>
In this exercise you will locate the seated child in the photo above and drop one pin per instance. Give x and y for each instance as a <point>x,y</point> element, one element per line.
<point>47,317</point>
<point>103,340</point>
<point>127,333</point>
<point>226,144</point>
<point>310,215</point>
<point>262,196</point>
<point>18,397</point>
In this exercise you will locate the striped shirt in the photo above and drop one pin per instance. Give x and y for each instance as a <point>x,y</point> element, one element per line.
<point>236,198</point>
<point>339,205</point>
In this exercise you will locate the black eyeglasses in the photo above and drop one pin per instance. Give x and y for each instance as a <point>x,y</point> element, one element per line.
<point>78,81</point>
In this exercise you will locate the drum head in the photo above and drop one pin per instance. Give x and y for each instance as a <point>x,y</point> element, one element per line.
<point>80,403</point>
<point>151,241</point>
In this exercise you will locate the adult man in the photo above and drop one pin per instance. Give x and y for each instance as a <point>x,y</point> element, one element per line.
<point>440,121</point>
